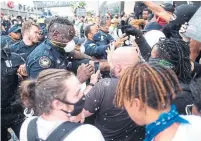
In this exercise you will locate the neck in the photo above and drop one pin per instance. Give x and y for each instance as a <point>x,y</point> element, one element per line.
<point>154,115</point>
<point>55,116</point>
<point>90,39</point>
<point>27,41</point>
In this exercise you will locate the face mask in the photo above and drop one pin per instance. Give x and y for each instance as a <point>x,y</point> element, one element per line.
<point>70,46</point>
<point>154,60</point>
<point>78,106</point>
<point>161,62</point>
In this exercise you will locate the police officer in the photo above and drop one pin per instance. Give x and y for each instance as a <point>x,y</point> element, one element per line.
<point>14,35</point>
<point>11,109</point>
<point>57,51</point>
<point>94,46</point>
<point>30,34</point>
<point>103,37</point>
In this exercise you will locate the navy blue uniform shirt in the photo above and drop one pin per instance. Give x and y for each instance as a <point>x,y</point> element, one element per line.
<point>98,51</point>
<point>7,40</point>
<point>48,56</point>
<point>104,38</point>
<point>22,49</point>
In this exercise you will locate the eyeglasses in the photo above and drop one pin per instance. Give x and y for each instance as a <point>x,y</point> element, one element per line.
<point>188,109</point>
<point>69,103</point>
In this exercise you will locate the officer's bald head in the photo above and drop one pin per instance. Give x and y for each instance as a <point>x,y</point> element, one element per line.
<point>122,58</point>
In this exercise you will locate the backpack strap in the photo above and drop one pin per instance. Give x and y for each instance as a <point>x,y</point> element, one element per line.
<point>59,134</point>
<point>32,133</point>
<point>62,131</point>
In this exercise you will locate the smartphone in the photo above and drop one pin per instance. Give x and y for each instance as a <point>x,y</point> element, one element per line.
<point>96,66</point>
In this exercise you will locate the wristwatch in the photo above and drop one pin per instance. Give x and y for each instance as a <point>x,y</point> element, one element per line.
<point>91,84</point>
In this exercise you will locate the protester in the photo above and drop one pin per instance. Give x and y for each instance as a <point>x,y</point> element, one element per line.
<point>114,123</point>
<point>14,35</point>
<point>146,92</point>
<point>30,40</point>
<point>182,14</point>
<point>55,97</point>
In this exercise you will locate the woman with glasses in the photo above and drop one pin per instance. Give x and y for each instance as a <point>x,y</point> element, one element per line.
<point>146,91</point>
<point>55,97</point>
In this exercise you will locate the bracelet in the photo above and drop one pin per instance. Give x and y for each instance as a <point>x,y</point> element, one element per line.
<point>91,84</point>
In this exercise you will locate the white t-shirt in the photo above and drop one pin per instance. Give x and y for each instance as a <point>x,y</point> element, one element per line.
<point>84,132</point>
<point>189,132</point>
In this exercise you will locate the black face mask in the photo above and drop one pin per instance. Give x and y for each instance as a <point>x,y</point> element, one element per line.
<point>154,60</point>
<point>162,62</point>
<point>78,106</point>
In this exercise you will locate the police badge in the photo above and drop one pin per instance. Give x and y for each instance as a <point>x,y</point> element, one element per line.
<point>44,62</point>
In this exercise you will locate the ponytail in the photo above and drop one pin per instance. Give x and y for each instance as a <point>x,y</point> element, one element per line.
<point>27,90</point>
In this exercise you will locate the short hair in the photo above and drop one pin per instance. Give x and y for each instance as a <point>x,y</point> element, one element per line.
<point>103,22</point>
<point>59,20</point>
<point>88,29</point>
<point>146,9</point>
<point>27,25</point>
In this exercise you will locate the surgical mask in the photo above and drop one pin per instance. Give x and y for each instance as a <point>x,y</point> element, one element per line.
<point>78,106</point>
<point>70,46</point>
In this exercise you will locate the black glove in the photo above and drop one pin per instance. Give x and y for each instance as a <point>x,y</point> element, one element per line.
<point>133,31</point>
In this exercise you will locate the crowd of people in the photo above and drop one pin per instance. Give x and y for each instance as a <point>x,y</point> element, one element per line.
<point>105,78</point>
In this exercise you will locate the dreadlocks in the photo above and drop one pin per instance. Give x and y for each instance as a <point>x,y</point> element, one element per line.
<point>153,84</point>
<point>176,52</point>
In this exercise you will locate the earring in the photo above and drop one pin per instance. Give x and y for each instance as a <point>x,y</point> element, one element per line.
<point>28,114</point>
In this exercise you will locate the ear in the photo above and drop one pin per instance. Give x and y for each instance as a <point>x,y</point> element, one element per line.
<point>57,105</point>
<point>118,69</point>
<point>137,103</point>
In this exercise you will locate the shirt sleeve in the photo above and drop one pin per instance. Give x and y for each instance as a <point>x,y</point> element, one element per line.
<point>94,98</point>
<point>94,50</point>
<point>35,66</point>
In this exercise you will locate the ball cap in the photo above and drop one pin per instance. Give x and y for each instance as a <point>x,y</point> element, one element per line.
<point>15,29</point>
<point>183,13</point>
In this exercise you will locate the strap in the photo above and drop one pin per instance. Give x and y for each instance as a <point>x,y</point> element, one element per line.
<point>62,131</point>
<point>32,133</point>
<point>59,134</point>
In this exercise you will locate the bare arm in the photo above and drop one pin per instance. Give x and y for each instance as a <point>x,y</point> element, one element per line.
<point>158,10</point>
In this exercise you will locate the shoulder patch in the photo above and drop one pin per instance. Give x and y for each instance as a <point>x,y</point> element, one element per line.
<point>44,62</point>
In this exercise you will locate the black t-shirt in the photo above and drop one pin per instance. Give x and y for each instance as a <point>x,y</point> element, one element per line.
<point>114,123</point>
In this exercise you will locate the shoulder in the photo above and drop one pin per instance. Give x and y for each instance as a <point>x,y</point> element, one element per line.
<point>85,132</point>
<point>189,131</point>
<point>24,128</point>
<point>107,82</point>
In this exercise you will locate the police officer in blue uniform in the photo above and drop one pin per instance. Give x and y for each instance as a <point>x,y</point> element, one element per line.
<point>30,34</point>
<point>94,46</point>
<point>14,35</point>
<point>11,109</point>
<point>56,51</point>
<point>103,37</point>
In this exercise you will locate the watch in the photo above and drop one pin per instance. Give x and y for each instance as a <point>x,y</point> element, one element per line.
<point>91,84</point>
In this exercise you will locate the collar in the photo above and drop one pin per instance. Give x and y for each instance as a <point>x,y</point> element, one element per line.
<point>55,48</point>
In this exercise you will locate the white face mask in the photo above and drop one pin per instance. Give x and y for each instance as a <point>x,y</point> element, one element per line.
<point>70,46</point>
